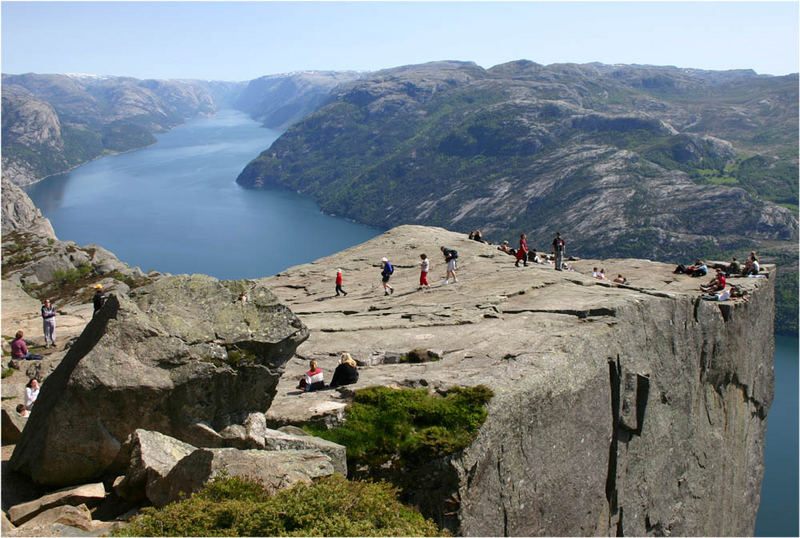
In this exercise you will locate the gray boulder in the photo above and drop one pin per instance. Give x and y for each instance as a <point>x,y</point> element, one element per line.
<point>20,214</point>
<point>87,493</point>
<point>273,470</point>
<point>151,456</point>
<point>177,352</point>
<point>278,440</point>
<point>59,521</point>
<point>13,424</point>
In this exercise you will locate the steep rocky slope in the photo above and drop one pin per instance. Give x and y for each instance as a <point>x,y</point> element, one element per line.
<point>54,122</point>
<point>618,410</point>
<point>278,101</point>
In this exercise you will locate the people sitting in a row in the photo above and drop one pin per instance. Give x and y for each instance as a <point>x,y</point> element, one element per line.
<point>19,350</point>
<point>601,274</point>
<point>346,373</point>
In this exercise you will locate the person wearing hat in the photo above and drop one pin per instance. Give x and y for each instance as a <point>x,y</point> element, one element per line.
<point>386,272</point>
<point>339,283</point>
<point>99,298</point>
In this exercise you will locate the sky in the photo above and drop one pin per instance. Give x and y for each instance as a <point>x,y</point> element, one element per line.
<point>245,40</point>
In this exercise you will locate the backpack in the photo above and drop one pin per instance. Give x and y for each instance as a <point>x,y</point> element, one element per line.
<point>391,269</point>
<point>454,254</point>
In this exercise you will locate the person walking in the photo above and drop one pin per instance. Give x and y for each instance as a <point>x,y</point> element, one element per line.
<point>425,267</point>
<point>386,273</point>
<point>339,283</point>
<point>450,256</point>
<point>49,323</point>
<point>522,251</point>
<point>559,249</point>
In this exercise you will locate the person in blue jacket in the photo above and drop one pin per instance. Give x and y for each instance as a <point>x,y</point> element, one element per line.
<point>386,272</point>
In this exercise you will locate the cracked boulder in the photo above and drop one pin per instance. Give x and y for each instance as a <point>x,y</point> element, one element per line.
<point>179,352</point>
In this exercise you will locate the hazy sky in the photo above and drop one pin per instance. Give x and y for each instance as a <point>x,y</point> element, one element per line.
<point>244,40</point>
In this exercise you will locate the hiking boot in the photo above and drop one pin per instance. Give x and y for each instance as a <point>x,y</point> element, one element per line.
<point>391,290</point>
<point>516,264</point>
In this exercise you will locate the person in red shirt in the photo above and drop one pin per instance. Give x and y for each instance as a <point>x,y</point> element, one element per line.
<point>19,350</point>
<point>716,284</point>
<point>522,251</point>
<point>339,283</point>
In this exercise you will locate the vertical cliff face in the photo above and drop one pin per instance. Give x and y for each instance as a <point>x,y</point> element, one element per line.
<point>659,431</point>
<point>619,410</point>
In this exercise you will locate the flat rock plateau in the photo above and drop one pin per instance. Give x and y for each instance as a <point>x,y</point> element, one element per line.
<point>634,409</point>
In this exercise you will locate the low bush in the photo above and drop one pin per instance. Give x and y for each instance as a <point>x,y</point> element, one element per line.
<point>333,506</point>
<point>410,425</point>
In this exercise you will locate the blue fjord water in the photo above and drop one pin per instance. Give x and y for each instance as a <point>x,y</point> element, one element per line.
<point>175,207</point>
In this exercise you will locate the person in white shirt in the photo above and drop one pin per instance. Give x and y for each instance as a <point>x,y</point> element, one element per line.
<point>31,393</point>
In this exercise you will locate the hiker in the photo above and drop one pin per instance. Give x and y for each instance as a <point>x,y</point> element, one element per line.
<point>312,380</point>
<point>450,256</point>
<point>559,249</point>
<point>31,393</point>
<point>522,251</point>
<point>19,350</point>
<point>49,323</point>
<point>734,268</point>
<point>339,283</point>
<point>386,273</point>
<point>346,373</point>
<point>716,284</point>
<point>425,267</point>
<point>99,299</point>
<point>751,266</point>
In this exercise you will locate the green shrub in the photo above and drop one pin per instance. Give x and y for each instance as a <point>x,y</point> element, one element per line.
<point>7,372</point>
<point>332,506</point>
<point>386,425</point>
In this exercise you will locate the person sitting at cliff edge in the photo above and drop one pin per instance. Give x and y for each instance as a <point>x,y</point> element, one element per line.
<point>716,284</point>
<point>346,373</point>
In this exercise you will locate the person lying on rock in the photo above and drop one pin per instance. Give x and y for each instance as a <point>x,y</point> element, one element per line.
<point>621,279</point>
<point>346,373</point>
<point>19,350</point>
<point>313,379</point>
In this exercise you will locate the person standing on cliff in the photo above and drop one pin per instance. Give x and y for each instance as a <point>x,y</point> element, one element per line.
<point>49,323</point>
<point>425,267</point>
<point>559,249</point>
<point>450,256</point>
<point>339,280</point>
<point>99,298</point>
<point>522,251</point>
<point>386,273</point>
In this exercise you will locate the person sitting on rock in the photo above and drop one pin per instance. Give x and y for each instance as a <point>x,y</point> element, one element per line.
<point>313,379</point>
<point>595,273</point>
<point>31,393</point>
<point>19,350</point>
<point>21,410</point>
<point>621,280</point>
<point>698,269</point>
<point>751,266</point>
<point>734,268</point>
<point>346,373</point>
<point>716,284</point>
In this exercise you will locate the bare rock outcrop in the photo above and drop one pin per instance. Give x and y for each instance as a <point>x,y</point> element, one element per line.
<point>274,470</point>
<point>19,212</point>
<point>635,409</point>
<point>175,356</point>
<point>85,494</point>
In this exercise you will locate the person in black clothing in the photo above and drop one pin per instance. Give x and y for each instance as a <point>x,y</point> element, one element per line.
<point>346,373</point>
<point>99,298</point>
<point>559,248</point>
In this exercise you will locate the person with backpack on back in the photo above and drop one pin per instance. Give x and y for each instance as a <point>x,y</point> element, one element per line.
<point>386,272</point>
<point>450,256</point>
<point>559,248</point>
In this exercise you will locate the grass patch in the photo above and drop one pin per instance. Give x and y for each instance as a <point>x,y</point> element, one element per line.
<point>420,355</point>
<point>333,506</point>
<point>388,426</point>
<point>7,372</point>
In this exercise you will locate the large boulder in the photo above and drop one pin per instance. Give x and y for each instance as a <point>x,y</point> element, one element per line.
<point>274,470</point>
<point>13,424</point>
<point>279,440</point>
<point>64,520</point>
<point>176,353</point>
<point>150,456</point>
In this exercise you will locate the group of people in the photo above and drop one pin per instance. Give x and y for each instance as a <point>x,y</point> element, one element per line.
<point>346,373</point>
<point>716,289</point>
<point>524,254</point>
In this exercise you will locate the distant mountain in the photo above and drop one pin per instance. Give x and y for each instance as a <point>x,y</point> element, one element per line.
<point>641,161</point>
<point>278,101</point>
<point>54,122</point>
